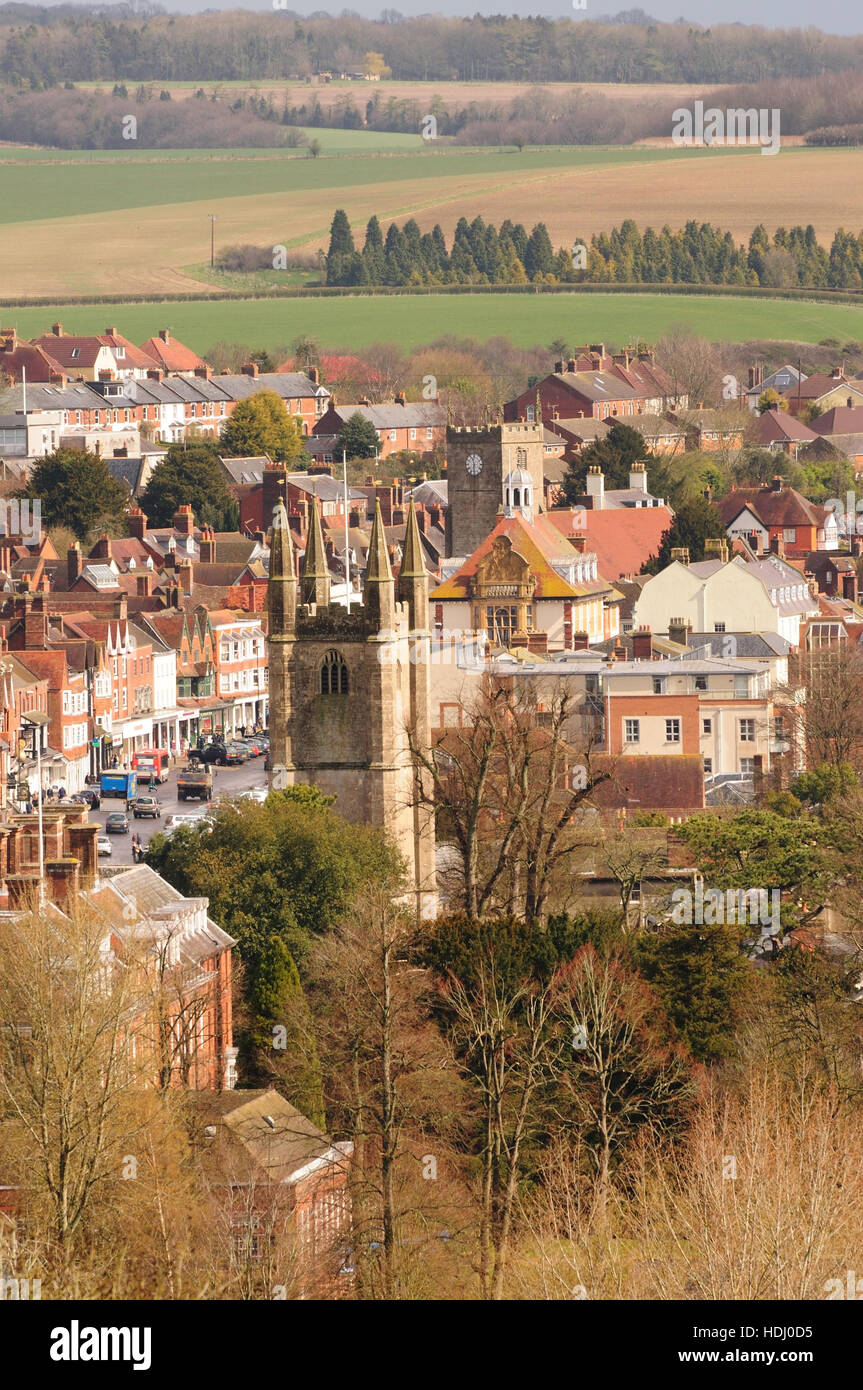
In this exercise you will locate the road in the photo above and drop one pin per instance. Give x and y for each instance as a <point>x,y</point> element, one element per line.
<point>227,781</point>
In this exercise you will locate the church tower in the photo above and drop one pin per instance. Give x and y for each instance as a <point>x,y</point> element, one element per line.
<point>347,686</point>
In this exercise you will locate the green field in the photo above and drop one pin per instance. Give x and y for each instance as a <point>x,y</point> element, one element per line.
<point>525,319</point>
<point>331,142</point>
<point>54,188</point>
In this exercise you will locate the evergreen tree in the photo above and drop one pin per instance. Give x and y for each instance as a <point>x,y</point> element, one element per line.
<point>539,254</point>
<point>279,1042</point>
<point>358,438</point>
<point>341,255</point>
<point>695,522</point>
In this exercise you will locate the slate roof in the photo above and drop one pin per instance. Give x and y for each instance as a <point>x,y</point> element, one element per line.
<point>596,386</point>
<point>238,385</point>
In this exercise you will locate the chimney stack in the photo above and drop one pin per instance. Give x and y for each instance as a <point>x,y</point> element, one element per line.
<point>184,576</point>
<point>74,564</point>
<point>580,642</point>
<point>638,478</point>
<point>680,553</point>
<point>137,523</point>
<point>102,549</point>
<point>314,375</point>
<point>184,520</point>
<point>596,487</point>
<point>678,631</point>
<point>642,644</point>
<point>208,546</point>
<point>249,369</point>
<point>144,580</point>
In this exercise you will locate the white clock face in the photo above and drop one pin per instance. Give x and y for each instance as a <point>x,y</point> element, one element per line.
<point>473,464</point>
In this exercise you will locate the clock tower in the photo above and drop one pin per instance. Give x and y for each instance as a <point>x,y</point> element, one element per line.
<point>478,461</point>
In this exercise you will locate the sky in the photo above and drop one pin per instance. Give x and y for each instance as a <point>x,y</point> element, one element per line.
<point>832,16</point>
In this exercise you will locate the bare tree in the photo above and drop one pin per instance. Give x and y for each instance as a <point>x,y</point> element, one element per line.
<point>832,677</point>
<point>507,788</point>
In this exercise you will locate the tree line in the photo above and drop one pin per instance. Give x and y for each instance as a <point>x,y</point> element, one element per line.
<point>39,45</point>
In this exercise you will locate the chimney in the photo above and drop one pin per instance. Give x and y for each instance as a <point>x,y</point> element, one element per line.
<point>137,523</point>
<point>249,369</point>
<point>205,372</point>
<point>184,576</point>
<point>110,332</point>
<point>57,330</point>
<point>102,549</point>
<point>144,580</point>
<point>155,373</point>
<point>777,546</point>
<point>580,642</point>
<point>35,627</point>
<point>558,366</point>
<point>836,374</point>
<point>384,495</point>
<point>74,564</point>
<point>208,546</point>
<point>578,541</point>
<point>680,553</point>
<point>638,478</point>
<point>105,374</point>
<point>57,379</point>
<point>422,518</point>
<point>598,348</point>
<point>678,631</point>
<point>619,651</point>
<point>184,520</point>
<point>596,486</point>
<point>642,644</point>
<point>121,607</point>
<point>165,335</point>
<point>570,364</point>
<point>716,548</point>
<point>314,375</point>
<point>776,483</point>
<point>399,398</point>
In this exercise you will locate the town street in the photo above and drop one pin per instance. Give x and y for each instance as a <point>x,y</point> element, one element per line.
<point>227,781</point>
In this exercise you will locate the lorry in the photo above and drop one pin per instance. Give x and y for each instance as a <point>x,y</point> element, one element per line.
<point>195,783</point>
<point>119,783</point>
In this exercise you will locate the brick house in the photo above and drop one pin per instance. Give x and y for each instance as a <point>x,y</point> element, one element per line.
<point>279,1183</point>
<point>778,519</point>
<point>416,425</point>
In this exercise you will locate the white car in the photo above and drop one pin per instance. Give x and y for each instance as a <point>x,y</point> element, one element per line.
<point>173,823</point>
<point>103,845</point>
<point>255,794</point>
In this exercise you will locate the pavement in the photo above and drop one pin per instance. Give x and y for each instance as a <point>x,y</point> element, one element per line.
<point>227,781</point>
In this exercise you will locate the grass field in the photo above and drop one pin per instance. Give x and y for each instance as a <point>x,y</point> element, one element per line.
<point>136,225</point>
<point>525,319</point>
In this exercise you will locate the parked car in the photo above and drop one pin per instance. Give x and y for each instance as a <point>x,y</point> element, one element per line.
<point>236,754</point>
<point>117,823</point>
<point>212,753</point>
<point>255,748</point>
<point>90,796</point>
<point>146,806</point>
<point>103,845</point>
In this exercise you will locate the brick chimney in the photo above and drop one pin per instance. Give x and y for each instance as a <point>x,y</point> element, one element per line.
<point>205,372</point>
<point>570,364</point>
<point>165,335</point>
<point>35,625</point>
<point>110,332</point>
<point>422,518</point>
<point>314,375</point>
<point>184,520</point>
<point>249,369</point>
<point>642,644</point>
<point>578,541</point>
<point>399,398</point>
<point>678,631</point>
<point>384,494</point>
<point>74,563</point>
<point>716,548</point>
<point>208,546</point>
<point>680,553</point>
<point>144,581</point>
<point>102,549</point>
<point>137,523</point>
<point>184,576</point>
<point>155,373</point>
<point>580,642</point>
<point>57,330</point>
<point>836,374</point>
<point>777,546</point>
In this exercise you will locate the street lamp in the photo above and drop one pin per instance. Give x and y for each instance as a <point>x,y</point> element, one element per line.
<point>36,720</point>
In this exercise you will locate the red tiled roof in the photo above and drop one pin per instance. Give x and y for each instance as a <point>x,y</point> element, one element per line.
<point>39,365</point>
<point>622,538</point>
<point>538,542</point>
<point>774,508</point>
<point>172,355</point>
<point>841,419</point>
<point>650,782</point>
<point>134,356</point>
<point>60,346</point>
<point>778,425</point>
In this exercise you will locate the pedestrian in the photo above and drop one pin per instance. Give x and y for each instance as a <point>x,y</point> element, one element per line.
<point>61,795</point>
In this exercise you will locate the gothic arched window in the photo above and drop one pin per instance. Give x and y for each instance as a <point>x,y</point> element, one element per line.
<point>334,674</point>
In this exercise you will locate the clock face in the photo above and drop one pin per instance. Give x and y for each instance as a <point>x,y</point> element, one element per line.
<point>473,464</point>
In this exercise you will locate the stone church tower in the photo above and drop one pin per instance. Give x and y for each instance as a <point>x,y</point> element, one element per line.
<point>478,462</point>
<point>345,687</point>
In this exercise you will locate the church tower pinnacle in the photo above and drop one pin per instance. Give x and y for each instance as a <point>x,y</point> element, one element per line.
<point>315,576</point>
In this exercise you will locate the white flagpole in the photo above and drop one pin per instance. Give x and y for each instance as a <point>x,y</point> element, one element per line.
<point>347,531</point>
